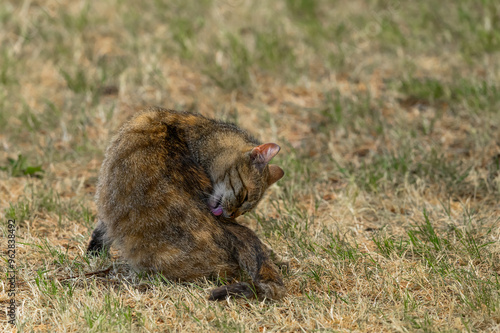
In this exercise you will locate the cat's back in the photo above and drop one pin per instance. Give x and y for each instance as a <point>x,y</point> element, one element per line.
<point>151,141</point>
<point>148,166</point>
<point>155,127</point>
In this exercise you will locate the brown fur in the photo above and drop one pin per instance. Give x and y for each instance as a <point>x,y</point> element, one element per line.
<point>169,189</point>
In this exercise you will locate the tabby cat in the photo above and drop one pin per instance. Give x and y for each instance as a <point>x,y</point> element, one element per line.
<point>169,190</point>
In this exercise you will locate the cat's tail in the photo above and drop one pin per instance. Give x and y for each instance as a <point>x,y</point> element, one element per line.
<point>98,243</point>
<point>240,289</point>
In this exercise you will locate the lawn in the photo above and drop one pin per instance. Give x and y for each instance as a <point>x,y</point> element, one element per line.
<point>387,113</point>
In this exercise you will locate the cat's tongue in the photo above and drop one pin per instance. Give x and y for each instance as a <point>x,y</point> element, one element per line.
<point>217,210</point>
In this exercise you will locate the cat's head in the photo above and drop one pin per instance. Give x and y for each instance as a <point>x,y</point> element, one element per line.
<point>242,185</point>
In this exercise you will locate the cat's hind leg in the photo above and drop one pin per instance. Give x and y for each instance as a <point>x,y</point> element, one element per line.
<point>253,257</point>
<point>98,243</point>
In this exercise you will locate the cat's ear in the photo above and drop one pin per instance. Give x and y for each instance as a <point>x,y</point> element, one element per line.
<point>262,155</point>
<point>275,174</point>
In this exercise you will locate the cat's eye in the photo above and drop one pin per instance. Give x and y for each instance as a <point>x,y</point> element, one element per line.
<point>246,197</point>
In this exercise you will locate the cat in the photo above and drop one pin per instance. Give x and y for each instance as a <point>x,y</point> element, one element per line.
<point>169,190</point>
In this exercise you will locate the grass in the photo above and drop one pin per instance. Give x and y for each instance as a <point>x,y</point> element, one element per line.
<point>387,115</point>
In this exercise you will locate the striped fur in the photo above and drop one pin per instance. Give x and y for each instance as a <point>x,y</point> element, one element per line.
<point>169,189</point>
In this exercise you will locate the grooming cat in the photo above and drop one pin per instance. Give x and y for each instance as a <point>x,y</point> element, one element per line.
<point>169,189</point>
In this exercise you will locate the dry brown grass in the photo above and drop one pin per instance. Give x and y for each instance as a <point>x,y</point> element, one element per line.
<point>387,114</point>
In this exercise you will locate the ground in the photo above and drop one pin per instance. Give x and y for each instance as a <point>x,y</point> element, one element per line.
<point>387,115</point>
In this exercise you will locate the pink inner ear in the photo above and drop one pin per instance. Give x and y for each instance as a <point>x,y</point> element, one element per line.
<point>264,153</point>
